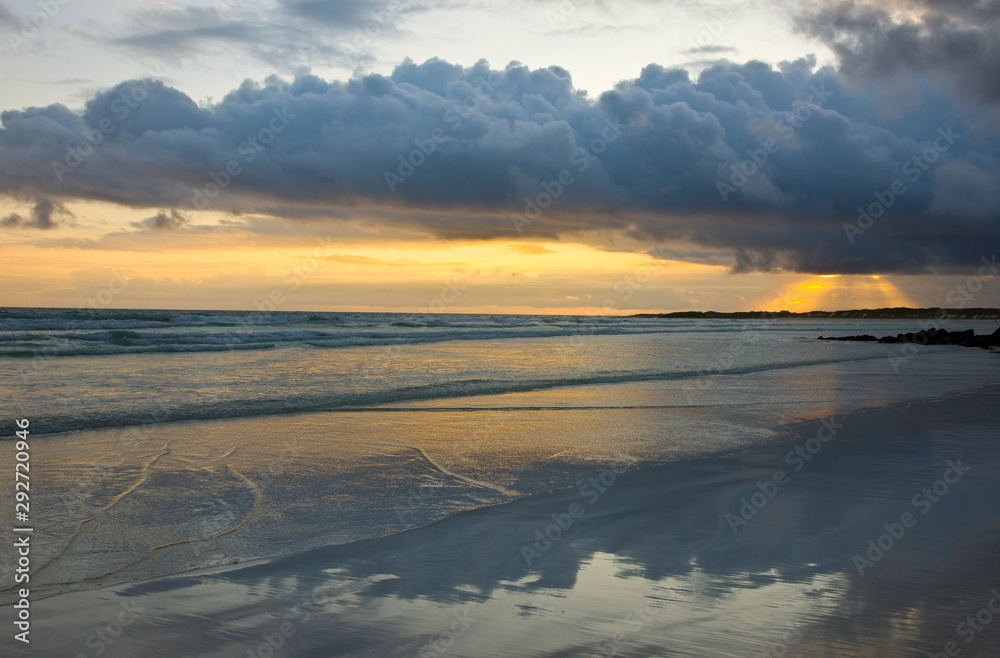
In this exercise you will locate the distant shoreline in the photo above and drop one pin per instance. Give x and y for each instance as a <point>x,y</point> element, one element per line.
<point>899,313</point>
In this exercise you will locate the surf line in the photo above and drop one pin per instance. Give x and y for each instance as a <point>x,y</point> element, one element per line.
<point>476,483</point>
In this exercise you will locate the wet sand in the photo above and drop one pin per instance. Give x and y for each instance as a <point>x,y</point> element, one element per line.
<point>649,561</point>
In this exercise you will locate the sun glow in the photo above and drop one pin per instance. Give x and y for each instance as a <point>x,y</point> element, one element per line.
<point>217,261</point>
<point>828,292</point>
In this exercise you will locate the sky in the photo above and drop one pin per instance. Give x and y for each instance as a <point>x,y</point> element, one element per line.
<point>555,156</point>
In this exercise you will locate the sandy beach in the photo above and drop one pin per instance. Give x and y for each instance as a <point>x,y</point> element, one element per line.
<point>636,562</point>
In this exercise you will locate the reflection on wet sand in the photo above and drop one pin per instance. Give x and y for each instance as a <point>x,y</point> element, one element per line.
<point>651,567</point>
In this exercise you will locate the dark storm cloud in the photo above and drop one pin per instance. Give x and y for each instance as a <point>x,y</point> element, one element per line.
<point>958,40</point>
<point>455,152</point>
<point>42,216</point>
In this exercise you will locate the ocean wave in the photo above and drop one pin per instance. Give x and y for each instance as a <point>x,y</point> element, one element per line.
<point>130,341</point>
<point>114,349</point>
<point>30,333</point>
<point>353,397</point>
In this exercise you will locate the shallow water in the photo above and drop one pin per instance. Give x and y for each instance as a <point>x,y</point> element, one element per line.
<point>141,502</point>
<point>102,381</point>
<point>651,567</point>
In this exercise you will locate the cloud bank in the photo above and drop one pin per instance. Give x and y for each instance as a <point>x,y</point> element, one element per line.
<point>770,164</point>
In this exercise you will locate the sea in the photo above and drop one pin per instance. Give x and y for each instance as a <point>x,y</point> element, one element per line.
<point>73,370</point>
<point>164,442</point>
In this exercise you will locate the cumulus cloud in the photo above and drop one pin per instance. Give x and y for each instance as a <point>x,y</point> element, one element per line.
<point>763,163</point>
<point>958,40</point>
<point>42,216</point>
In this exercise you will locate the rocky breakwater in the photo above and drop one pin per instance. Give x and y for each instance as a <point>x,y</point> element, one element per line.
<point>932,336</point>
